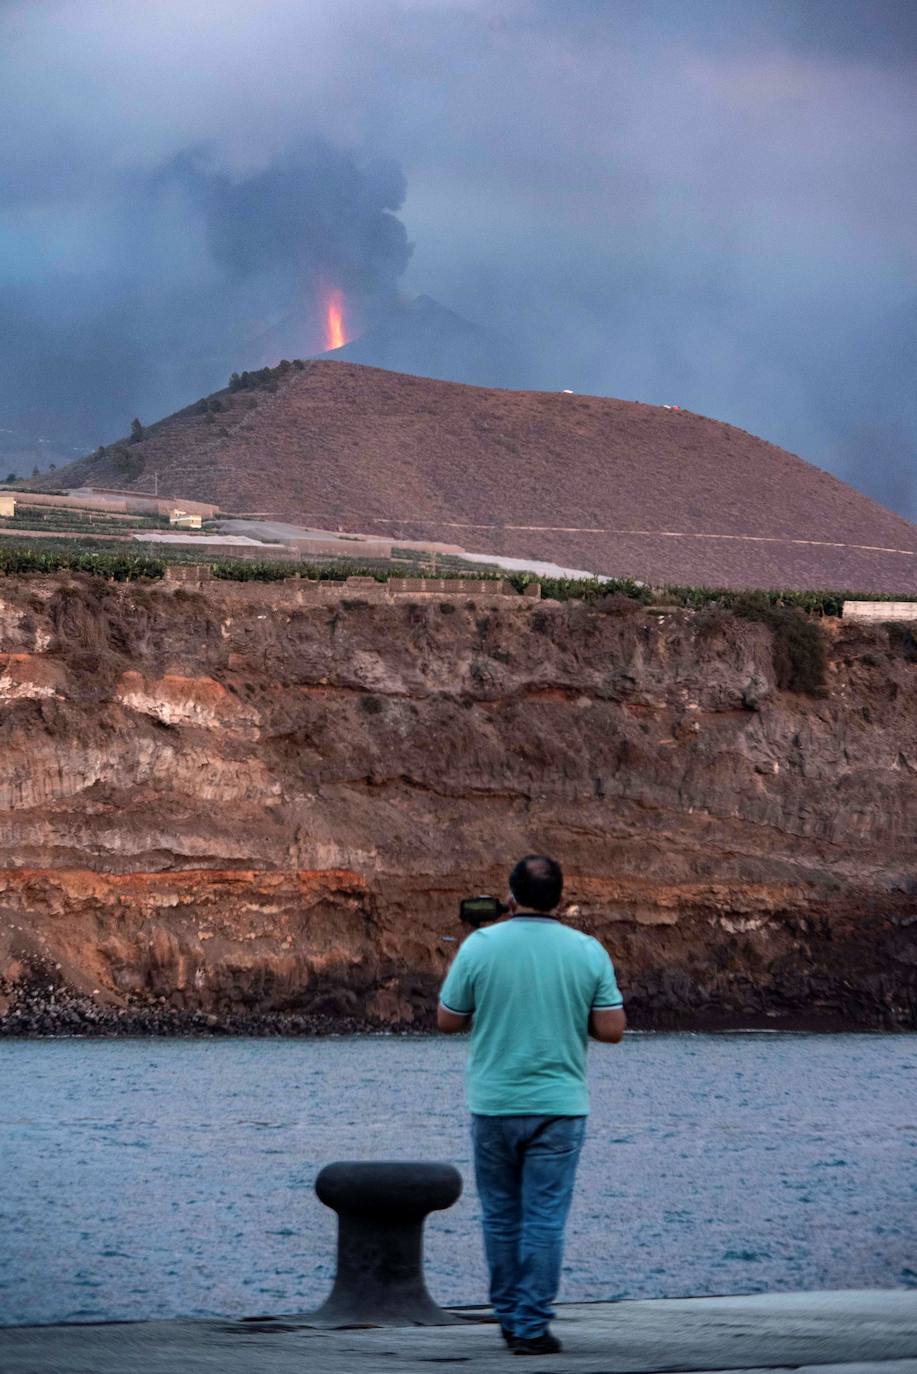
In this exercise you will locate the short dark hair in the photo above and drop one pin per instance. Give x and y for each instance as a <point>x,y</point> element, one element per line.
<point>537,882</point>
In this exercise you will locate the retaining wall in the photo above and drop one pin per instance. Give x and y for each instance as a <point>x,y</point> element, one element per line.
<point>302,591</point>
<point>880,610</point>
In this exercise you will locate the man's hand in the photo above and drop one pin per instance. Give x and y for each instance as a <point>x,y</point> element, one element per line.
<point>450,1022</point>
<point>608,1026</point>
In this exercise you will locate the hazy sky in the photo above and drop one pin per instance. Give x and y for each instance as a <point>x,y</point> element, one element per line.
<point>706,202</point>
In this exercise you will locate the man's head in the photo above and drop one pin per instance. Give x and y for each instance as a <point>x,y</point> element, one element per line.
<point>536,883</point>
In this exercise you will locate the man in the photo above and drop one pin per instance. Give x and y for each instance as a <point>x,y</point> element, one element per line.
<point>532,990</point>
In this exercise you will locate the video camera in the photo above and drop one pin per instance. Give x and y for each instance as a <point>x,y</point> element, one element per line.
<point>477,911</point>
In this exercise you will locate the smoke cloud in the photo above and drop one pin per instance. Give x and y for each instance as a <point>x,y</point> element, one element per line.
<point>199,265</point>
<point>706,204</point>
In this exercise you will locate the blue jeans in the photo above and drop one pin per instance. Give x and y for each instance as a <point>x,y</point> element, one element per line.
<point>525,1167</point>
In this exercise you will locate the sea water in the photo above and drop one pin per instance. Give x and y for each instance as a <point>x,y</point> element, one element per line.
<point>153,1178</point>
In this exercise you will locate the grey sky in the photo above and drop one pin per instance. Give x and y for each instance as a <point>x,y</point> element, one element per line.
<point>699,201</point>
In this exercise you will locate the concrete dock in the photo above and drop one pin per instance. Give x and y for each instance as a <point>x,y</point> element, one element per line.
<point>810,1333</point>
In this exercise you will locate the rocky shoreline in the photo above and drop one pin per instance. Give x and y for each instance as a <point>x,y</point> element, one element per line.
<point>53,1024</point>
<point>37,1009</point>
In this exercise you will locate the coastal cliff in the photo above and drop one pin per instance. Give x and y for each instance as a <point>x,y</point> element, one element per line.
<point>227,808</point>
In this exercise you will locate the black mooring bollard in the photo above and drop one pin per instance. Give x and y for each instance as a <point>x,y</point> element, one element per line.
<point>381,1211</point>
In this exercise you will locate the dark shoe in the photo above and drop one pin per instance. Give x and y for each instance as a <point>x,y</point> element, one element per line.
<point>508,1336</point>
<point>545,1344</point>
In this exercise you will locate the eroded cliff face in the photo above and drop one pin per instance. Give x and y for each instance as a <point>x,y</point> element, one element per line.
<point>226,809</point>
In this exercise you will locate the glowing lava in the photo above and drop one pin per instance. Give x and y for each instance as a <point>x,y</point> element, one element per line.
<point>334,321</point>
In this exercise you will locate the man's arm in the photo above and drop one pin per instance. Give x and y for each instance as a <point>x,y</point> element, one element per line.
<point>457,992</point>
<point>607,1021</point>
<point>451,1022</point>
<point>608,1025</point>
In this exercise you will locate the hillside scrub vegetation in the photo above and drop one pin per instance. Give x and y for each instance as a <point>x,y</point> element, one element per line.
<point>681,498</point>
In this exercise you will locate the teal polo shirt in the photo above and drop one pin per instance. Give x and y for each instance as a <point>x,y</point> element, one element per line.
<point>531,983</point>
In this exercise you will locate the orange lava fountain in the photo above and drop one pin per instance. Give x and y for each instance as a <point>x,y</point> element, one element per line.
<point>334,321</point>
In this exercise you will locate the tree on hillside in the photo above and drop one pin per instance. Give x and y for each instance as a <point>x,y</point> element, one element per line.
<point>136,431</point>
<point>35,471</point>
<point>11,477</point>
<point>126,464</point>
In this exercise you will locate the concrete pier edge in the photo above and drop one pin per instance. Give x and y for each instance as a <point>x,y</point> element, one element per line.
<point>843,1332</point>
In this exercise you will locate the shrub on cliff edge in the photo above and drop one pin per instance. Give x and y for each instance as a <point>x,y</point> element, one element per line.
<point>799,648</point>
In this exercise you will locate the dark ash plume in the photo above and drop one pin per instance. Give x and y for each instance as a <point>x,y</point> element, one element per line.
<point>200,264</point>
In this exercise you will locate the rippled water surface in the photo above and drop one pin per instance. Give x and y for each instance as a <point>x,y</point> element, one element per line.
<point>158,1177</point>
